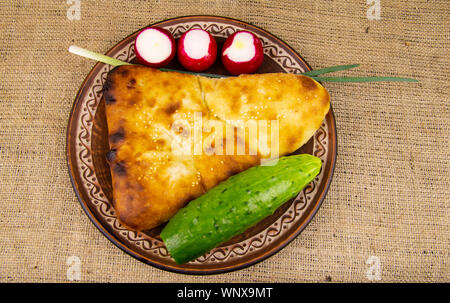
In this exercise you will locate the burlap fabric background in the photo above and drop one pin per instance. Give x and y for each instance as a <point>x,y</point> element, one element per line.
<point>390,194</point>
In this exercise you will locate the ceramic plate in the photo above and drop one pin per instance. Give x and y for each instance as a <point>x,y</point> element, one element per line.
<point>87,145</point>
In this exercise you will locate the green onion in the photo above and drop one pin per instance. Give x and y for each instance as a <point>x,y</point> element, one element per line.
<point>310,73</point>
<point>96,56</point>
<point>330,69</point>
<point>116,62</point>
<point>363,79</point>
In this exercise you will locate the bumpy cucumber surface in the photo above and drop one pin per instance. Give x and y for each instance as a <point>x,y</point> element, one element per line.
<point>236,204</point>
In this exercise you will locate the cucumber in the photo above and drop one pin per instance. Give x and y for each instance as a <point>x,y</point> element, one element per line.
<point>236,204</point>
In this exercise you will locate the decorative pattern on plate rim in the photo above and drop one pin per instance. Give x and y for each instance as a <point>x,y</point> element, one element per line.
<point>154,246</point>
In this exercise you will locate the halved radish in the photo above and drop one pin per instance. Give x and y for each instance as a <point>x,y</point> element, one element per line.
<point>242,53</point>
<point>197,50</point>
<point>154,46</point>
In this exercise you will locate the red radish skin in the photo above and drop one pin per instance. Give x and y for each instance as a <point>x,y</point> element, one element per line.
<point>242,53</point>
<point>155,47</point>
<point>197,50</point>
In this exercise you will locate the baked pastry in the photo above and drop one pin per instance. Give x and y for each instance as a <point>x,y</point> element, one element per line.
<point>173,136</point>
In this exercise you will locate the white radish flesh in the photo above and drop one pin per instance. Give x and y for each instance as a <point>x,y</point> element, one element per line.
<point>154,47</point>
<point>196,44</point>
<point>197,50</point>
<point>242,48</point>
<point>242,53</point>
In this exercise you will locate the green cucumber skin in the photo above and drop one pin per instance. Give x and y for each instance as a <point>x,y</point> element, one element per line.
<point>235,205</point>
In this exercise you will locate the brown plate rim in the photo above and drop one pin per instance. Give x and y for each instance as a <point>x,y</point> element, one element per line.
<point>262,256</point>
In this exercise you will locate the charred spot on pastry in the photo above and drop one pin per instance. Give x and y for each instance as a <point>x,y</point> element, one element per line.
<point>160,141</point>
<point>118,136</point>
<point>132,83</point>
<point>308,83</point>
<point>325,100</point>
<point>123,71</point>
<point>109,98</point>
<point>120,169</point>
<point>151,102</point>
<point>111,155</point>
<point>244,89</point>
<point>173,107</point>
<point>108,95</point>
<point>132,102</point>
<point>165,83</point>
<point>293,140</point>
<point>108,84</point>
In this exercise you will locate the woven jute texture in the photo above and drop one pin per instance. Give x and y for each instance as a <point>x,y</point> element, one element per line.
<point>386,215</point>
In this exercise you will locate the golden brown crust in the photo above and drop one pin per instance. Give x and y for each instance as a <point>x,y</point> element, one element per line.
<point>298,102</point>
<point>157,168</point>
<point>150,183</point>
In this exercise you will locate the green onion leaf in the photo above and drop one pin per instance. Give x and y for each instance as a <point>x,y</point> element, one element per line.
<point>330,69</point>
<point>96,56</point>
<point>116,62</point>
<point>363,79</point>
